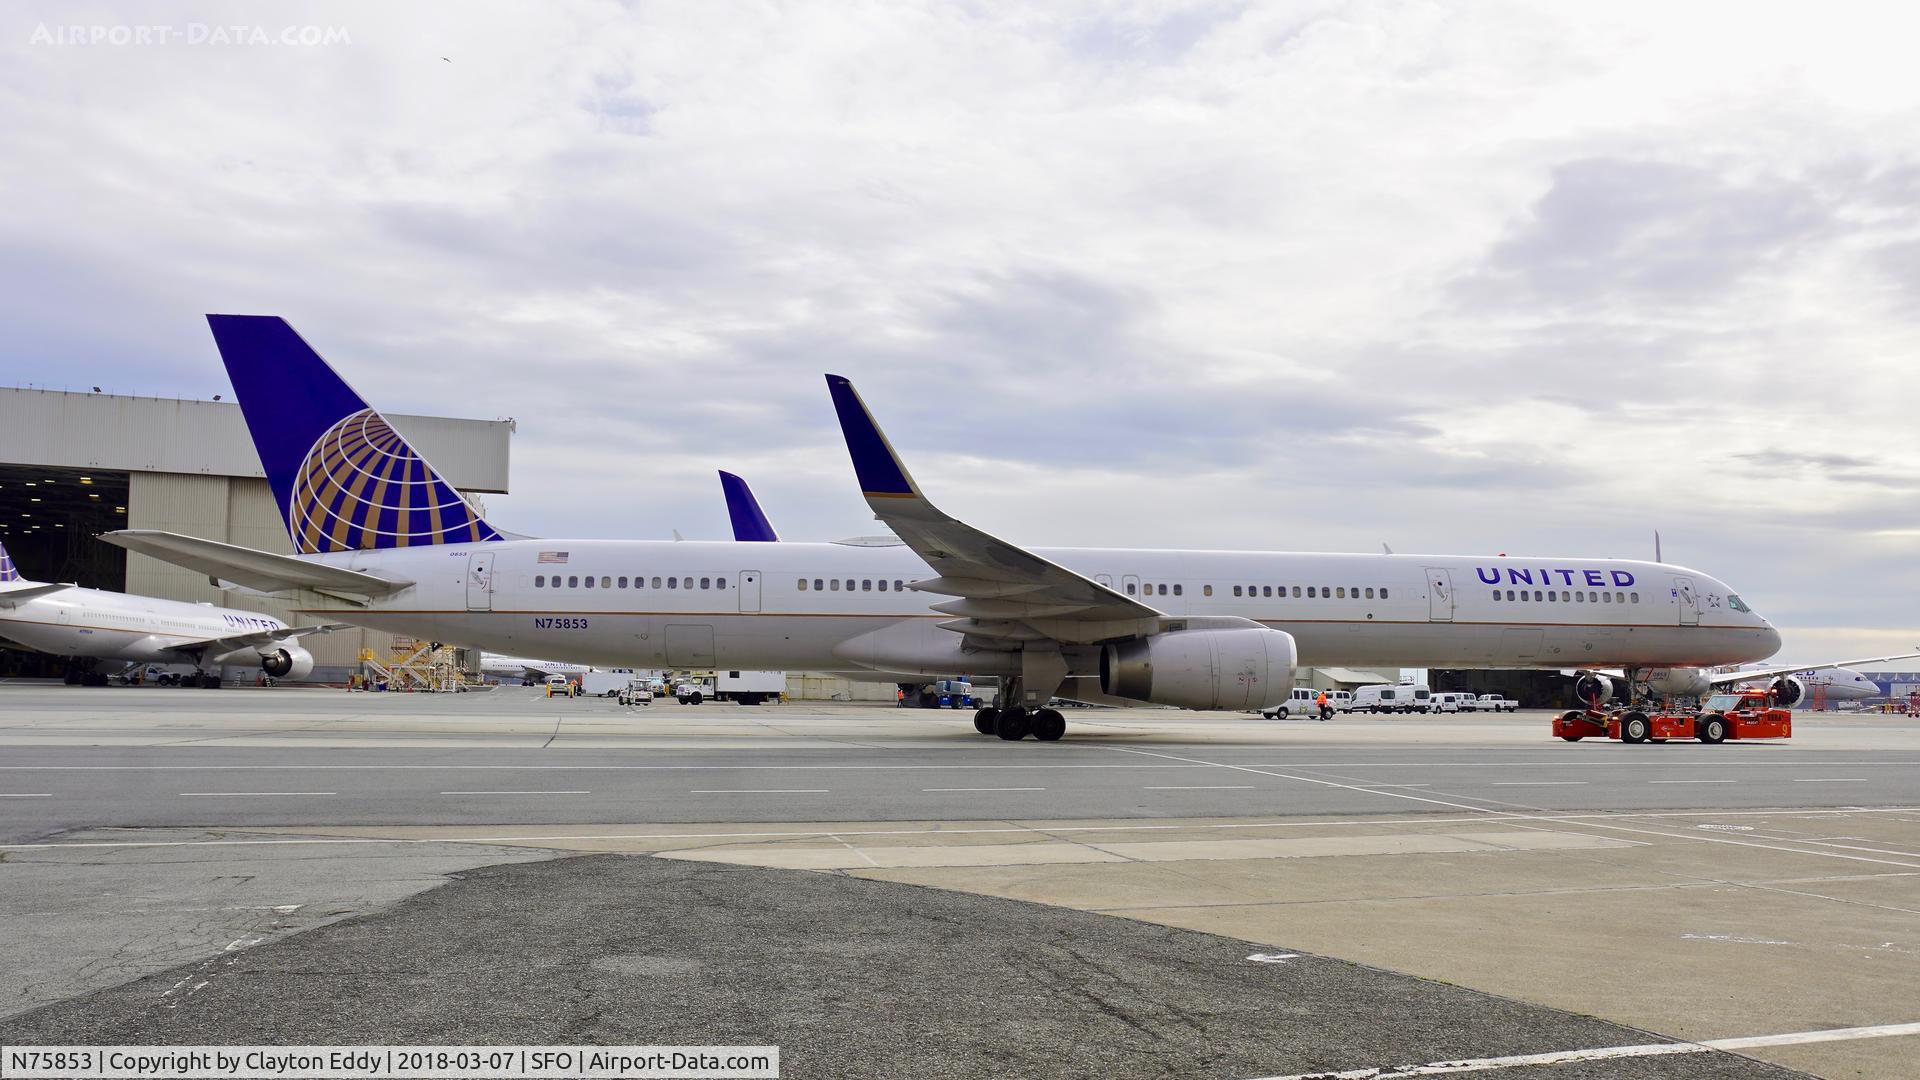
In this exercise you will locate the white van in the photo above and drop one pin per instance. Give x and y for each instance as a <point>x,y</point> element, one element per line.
<point>1341,700</point>
<point>1304,701</point>
<point>1392,698</point>
<point>1448,701</point>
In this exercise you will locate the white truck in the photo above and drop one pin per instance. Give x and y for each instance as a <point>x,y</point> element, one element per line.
<point>1304,701</point>
<point>1495,703</point>
<point>749,687</point>
<point>604,683</point>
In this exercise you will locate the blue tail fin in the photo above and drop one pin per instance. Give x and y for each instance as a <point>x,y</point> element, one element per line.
<point>749,522</point>
<point>7,570</point>
<point>344,479</point>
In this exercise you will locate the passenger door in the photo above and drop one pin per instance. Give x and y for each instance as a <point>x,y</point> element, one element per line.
<point>749,590</point>
<point>1130,584</point>
<point>1688,599</point>
<point>1439,594</point>
<point>480,581</point>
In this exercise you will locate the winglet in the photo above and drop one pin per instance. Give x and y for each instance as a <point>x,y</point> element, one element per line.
<point>749,522</point>
<point>874,462</point>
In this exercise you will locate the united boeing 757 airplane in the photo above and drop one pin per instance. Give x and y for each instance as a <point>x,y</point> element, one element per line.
<point>89,626</point>
<point>375,527</point>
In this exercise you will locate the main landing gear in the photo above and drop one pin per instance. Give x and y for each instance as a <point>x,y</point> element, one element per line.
<point>1018,722</point>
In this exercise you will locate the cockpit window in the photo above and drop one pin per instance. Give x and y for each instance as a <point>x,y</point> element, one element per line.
<point>1738,604</point>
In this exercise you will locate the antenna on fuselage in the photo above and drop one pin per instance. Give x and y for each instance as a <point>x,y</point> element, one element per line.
<point>1385,548</point>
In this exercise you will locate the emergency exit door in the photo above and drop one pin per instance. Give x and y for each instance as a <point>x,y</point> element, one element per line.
<point>1439,594</point>
<point>1688,598</point>
<point>480,581</point>
<point>749,590</point>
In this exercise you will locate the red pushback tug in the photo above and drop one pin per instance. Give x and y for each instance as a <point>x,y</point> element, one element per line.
<point>1743,714</point>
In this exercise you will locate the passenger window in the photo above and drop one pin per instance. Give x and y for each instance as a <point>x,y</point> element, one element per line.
<point>1354,591</point>
<point>656,583</point>
<point>1496,594</point>
<point>866,584</point>
<point>1163,590</point>
<point>1176,590</point>
<point>1536,596</point>
<point>539,581</point>
<point>1383,594</point>
<point>719,583</point>
<point>706,583</point>
<point>1296,591</point>
<point>623,582</point>
<point>883,584</point>
<point>1310,592</point>
<point>673,583</point>
<point>1593,597</point>
<point>849,584</point>
<point>1267,590</point>
<point>1236,590</point>
<point>1509,595</point>
<point>1606,597</point>
<point>834,583</point>
<point>897,586</point>
<point>589,581</point>
<point>1579,597</point>
<point>1341,592</point>
<point>573,581</point>
<point>606,581</point>
<point>1206,590</point>
<point>1619,598</point>
<point>1129,588</point>
<point>803,584</point>
<point>1554,596</point>
<point>1635,596</point>
<point>1369,593</point>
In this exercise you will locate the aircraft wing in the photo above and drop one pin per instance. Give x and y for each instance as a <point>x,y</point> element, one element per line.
<point>1002,590</point>
<point>19,596</point>
<point>261,570</point>
<point>257,638</point>
<point>1735,678</point>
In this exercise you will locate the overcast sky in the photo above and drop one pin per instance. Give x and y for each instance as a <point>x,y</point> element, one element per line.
<point>1462,277</point>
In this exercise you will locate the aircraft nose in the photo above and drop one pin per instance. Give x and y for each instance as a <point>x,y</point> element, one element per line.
<point>1770,636</point>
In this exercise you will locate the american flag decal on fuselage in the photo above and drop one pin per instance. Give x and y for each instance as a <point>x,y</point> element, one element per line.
<point>550,558</point>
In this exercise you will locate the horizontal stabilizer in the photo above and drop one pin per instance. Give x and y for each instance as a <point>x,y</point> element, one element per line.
<point>20,596</point>
<point>262,570</point>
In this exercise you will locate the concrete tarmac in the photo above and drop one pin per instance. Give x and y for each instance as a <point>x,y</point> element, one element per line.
<point>1766,889</point>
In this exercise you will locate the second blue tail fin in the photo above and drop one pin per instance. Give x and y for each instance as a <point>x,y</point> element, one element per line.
<point>749,522</point>
<point>7,570</point>
<point>344,479</point>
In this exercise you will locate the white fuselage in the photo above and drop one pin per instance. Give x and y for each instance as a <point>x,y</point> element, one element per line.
<point>98,625</point>
<point>518,667</point>
<point>744,606</point>
<point>1833,684</point>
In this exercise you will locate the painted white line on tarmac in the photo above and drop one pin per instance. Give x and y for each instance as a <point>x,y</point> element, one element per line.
<point>516,793</point>
<point>927,789</point>
<point>1201,787</point>
<point>1481,816</point>
<point>1693,781</point>
<point>1606,1053</point>
<point>1539,783</point>
<point>236,793</point>
<point>1830,780</point>
<point>26,795</point>
<point>760,791</point>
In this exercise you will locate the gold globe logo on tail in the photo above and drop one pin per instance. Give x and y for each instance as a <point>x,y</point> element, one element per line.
<point>363,487</point>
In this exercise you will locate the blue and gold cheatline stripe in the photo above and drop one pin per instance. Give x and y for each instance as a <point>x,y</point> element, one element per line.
<point>362,487</point>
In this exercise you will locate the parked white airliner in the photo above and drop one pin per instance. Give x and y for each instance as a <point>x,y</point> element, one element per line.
<point>374,525</point>
<point>92,627</point>
<point>526,670</point>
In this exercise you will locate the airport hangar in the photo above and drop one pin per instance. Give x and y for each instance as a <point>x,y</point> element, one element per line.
<point>73,465</point>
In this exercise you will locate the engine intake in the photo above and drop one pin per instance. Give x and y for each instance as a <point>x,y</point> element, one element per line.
<point>1202,669</point>
<point>1788,691</point>
<point>1593,690</point>
<point>287,662</point>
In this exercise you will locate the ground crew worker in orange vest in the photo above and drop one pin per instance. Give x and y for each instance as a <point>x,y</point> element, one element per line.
<point>1322,703</point>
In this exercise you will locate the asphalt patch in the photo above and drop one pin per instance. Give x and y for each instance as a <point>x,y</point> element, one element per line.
<point>849,977</point>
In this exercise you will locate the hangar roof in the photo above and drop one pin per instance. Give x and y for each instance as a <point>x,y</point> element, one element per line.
<point>207,438</point>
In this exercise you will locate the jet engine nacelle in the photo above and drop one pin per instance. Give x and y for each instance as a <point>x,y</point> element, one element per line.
<point>287,662</point>
<point>1202,669</point>
<point>1788,691</point>
<point>1679,682</point>
<point>1593,690</point>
